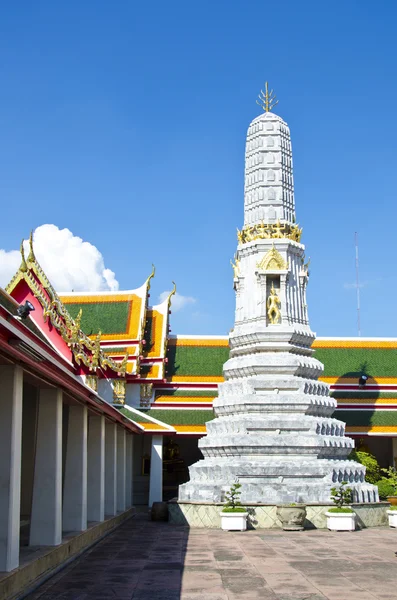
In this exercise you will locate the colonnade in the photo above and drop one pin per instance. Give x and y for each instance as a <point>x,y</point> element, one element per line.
<point>95,479</point>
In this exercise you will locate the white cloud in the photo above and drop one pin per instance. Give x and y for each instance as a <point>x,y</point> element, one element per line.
<point>177,301</point>
<point>68,261</point>
<point>363,284</point>
<point>9,263</point>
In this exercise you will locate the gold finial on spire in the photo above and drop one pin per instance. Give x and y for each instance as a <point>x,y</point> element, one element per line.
<point>150,276</point>
<point>31,257</point>
<point>172,293</point>
<point>267,100</point>
<point>23,266</point>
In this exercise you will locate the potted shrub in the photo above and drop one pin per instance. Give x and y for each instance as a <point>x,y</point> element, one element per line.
<point>391,473</point>
<point>234,516</point>
<point>392,514</point>
<point>292,516</point>
<point>341,517</point>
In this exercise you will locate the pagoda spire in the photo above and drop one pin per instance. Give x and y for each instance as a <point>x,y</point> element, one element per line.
<point>273,424</point>
<point>269,180</point>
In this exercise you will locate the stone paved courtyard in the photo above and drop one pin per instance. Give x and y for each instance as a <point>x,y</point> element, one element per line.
<point>157,561</point>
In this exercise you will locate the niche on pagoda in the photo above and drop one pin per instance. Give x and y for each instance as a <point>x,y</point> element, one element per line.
<point>272,275</point>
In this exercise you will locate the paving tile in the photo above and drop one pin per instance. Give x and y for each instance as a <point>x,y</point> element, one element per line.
<point>208,596</point>
<point>198,580</point>
<point>143,560</point>
<point>239,585</point>
<point>260,594</point>
<point>156,595</point>
<point>333,594</point>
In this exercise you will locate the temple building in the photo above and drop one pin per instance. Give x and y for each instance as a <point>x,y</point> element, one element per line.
<point>103,408</point>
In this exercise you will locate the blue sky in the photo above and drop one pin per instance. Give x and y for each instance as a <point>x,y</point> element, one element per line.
<point>125,122</point>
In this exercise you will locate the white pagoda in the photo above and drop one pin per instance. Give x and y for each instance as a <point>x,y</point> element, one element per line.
<point>273,429</point>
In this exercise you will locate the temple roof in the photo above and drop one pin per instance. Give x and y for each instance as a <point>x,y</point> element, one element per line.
<point>54,322</point>
<point>128,325</point>
<point>197,358</point>
<point>185,370</point>
<point>118,315</point>
<point>196,362</point>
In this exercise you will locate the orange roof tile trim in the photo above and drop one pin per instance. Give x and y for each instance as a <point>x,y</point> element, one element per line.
<point>190,428</point>
<point>198,342</point>
<point>371,380</point>
<point>169,399</point>
<point>153,426</point>
<point>388,344</point>
<point>371,429</point>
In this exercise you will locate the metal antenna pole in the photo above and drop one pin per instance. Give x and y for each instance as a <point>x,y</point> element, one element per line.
<point>357,286</point>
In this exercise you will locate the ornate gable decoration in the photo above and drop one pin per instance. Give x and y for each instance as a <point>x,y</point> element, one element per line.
<point>85,350</point>
<point>272,261</point>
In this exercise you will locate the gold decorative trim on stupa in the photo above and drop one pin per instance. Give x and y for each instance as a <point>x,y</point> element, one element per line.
<point>267,231</point>
<point>272,261</point>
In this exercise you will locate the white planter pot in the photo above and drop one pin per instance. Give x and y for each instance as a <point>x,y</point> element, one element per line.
<point>234,521</point>
<point>341,521</point>
<point>392,514</point>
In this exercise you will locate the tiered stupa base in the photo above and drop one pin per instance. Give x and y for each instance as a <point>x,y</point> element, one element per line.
<point>274,431</point>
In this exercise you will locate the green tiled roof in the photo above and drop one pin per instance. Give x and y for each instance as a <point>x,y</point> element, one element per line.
<point>196,360</point>
<point>367,418</point>
<point>133,416</point>
<point>118,349</point>
<point>182,417</point>
<point>108,317</point>
<point>352,362</point>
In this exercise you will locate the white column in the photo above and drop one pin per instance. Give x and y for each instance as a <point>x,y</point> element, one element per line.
<point>75,482</point>
<point>128,470</point>
<point>156,470</point>
<point>110,469</point>
<point>46,517</point>
<point>11,387</point>
<point>96,469</point>
<point>121,452</point>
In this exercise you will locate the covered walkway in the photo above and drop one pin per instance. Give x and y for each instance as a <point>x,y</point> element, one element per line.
<point>143,560</point>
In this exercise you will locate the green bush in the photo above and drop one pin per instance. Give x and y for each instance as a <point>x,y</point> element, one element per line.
<point>386,488</point>
<point>343,509</point>
<point>232,497</point>
<point>391,473</point>
<point>372,474</point>
<point>340,496</point>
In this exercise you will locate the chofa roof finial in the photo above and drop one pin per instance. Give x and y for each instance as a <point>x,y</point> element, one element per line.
<point>23,266</point>
<point>31,257</point>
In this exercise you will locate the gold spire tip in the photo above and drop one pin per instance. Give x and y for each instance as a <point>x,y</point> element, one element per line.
<point>31,257</point>
<point>267,99</point>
